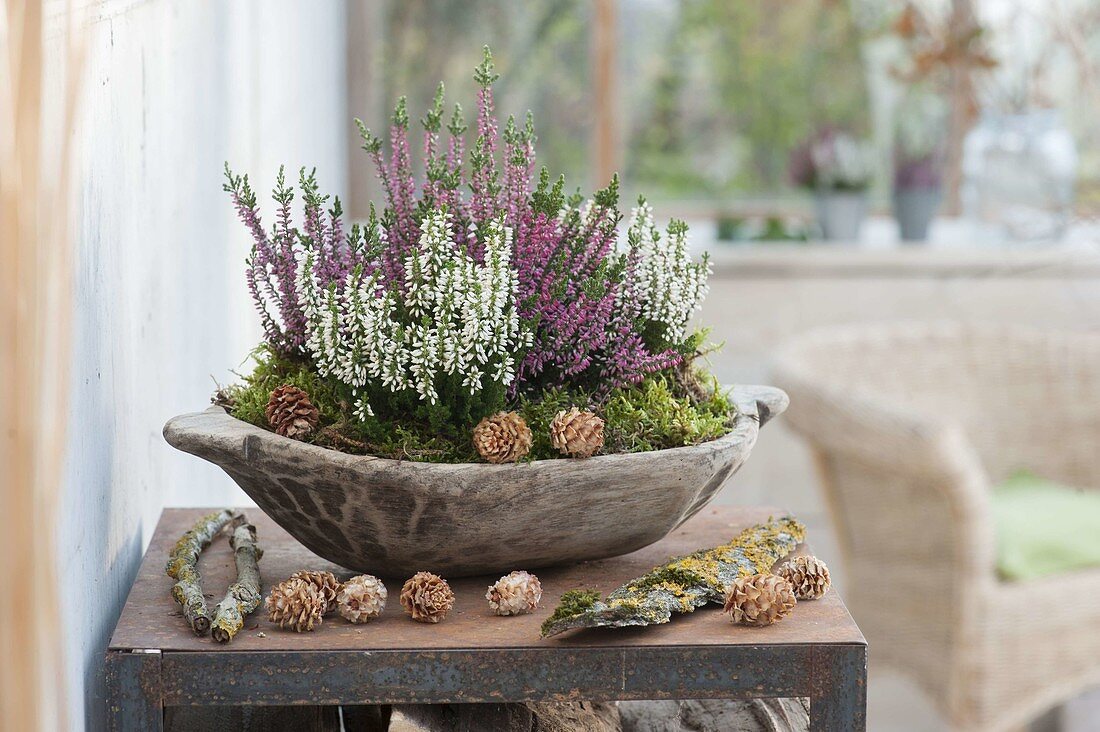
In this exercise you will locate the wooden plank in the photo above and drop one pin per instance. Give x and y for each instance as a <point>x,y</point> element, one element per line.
<point>365,33</point>
<point>151,620</point>
<point>605,141</point>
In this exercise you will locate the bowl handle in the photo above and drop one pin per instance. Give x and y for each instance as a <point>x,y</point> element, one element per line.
<point>763,401</point>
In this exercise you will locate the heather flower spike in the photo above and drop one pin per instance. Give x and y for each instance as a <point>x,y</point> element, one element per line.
<point>484,74</point>
<point>470,286</point>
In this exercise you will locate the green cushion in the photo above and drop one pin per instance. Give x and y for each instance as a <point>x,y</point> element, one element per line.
<point>1044,528</point>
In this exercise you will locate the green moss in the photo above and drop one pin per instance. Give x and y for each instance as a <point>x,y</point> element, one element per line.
<point>251,395</point>
<point>672,577</point>
<point>671,409</point>
<point>417,437</point>
<point>540,411</point>
<point>661,412</point>
<point>573,602</point>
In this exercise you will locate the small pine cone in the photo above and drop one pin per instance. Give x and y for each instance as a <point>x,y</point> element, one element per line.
<point>361,598</point>
<point>224,398</point>
<point>291,413</point>
<point>808,576</point>
<point>502,438</point>
<point>325,582</point>
<point>427,597</point>
<point>296,603</point>
<point>576,433</point>
<point>514,594</point>
<point>760,599</point>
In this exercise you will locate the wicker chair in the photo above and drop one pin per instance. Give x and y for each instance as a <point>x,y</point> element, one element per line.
<point>910,425</point>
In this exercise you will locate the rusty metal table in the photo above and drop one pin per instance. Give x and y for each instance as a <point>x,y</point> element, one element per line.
<point>154,661</point>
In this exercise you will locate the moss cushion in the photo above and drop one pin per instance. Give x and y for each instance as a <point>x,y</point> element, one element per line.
<point>1044,528</point>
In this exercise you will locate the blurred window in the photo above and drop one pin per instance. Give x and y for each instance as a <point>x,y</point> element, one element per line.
<point>710,96</point>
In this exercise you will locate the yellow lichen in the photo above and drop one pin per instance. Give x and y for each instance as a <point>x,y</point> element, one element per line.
<point>687,582</point>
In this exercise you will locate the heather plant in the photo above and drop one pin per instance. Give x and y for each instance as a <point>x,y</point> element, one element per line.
<point>472,290</point>
<point>831,160</point>
<point>272,265</point>
<point>454,320</point>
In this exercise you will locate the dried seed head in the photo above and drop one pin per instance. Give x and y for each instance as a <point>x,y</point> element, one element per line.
<point>515,593</point>
<point>427,597</point>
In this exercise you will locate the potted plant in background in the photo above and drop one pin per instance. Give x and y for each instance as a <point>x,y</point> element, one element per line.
<point>943,51</point>
<point>918,164</point>
<point>478,377</point>
<point>917,193</point>
<point>837,168</point>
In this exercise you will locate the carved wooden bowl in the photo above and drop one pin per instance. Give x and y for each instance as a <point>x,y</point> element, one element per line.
<point>394,518</point>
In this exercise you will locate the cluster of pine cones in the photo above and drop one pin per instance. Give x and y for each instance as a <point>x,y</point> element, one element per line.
<point>762,599</point>
<point>301,602</point>
<point>505,437</point>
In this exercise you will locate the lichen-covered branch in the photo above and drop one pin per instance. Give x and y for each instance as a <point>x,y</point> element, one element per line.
<point>682,584</point>
<point>244,595</point>
<point>183,567</point>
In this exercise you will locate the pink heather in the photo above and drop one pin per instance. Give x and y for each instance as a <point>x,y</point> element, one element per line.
<point>483,183</point>
<point>585,319</point>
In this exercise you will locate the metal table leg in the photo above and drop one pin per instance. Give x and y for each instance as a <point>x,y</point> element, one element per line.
<point>134,693</point>
<point>839,699</point>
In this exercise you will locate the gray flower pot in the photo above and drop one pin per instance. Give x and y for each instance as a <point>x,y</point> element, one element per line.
<point>393,518</point>
<point>914,208</point>
<point>840,213</point>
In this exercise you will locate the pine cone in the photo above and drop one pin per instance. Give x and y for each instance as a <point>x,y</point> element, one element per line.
<point>362,598</point>
<point>296,603</point>
<point>427,597</point>
<point>576,433</point>
<point>502,438</point>
<point>515,593</point>
<point>808,576</point>
<point>291,413</point>
<point>760,599</point>
<point>325,582</point>
<point>224,398</point>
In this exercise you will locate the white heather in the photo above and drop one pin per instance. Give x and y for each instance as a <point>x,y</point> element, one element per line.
<point>668,285</point>
<point>462,318</point>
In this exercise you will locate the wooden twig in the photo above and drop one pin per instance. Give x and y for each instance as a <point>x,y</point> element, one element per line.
<point>244,595</point>
<point>343,440</point>
<point>682,584</point>
<point>183,567</point>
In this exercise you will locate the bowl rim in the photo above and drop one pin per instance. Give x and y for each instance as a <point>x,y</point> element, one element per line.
<point>755,405</point>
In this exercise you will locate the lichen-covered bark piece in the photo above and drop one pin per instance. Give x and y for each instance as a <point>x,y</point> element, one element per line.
<point>182,566</point>
<point>682,584</point>
<point>244,595</point>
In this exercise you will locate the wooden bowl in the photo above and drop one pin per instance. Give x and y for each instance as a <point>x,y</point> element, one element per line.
<point>394,518</point>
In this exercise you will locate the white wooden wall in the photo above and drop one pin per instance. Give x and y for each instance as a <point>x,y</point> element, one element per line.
<point>174,88</point>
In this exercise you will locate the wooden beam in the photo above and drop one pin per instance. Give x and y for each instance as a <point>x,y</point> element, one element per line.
<point>364,34</point>
<point>604,89</point>
<point>963,111</point>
